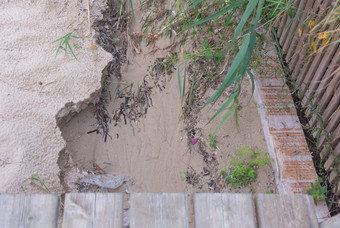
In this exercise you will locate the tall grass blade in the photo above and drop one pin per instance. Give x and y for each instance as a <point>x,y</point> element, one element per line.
<point>232,73</point>
<point>179,83</point>
<point>251,76</point>
<point>192,89</point>
<point>223,107</point>
<point>184,79</point>
<point>219,13</point>
<point>245,17</point>
<point>133,13</point>
<point>224,118</point>
<point>236,112</point>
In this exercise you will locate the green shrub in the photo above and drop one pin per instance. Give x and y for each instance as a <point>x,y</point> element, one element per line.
<point>244,172</point>
<point>317,191</point>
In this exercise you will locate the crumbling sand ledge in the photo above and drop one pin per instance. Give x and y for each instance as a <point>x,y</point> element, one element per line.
<point>37,89</point>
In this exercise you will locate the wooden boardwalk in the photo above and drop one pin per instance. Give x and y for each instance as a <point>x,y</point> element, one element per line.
<point>93,210</point>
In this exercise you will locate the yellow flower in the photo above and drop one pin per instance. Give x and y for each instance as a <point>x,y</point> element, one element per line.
<point>323,35</point>
<point>324,42</point>
<point>314,47</point>
<point>300,33</point>
<point>311,23</point>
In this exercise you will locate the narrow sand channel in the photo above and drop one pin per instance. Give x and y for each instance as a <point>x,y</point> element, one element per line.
<point>153,151</point>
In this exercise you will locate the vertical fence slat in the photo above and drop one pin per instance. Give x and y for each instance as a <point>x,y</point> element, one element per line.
<point>288,26</point>
<point>320,73</point>
<point>332,126</point>
<point>325,83</point>
<point>296,46</point>
<point>293,32</point>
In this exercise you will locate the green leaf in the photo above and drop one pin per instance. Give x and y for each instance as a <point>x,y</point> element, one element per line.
<point>232,73</point>
<point>179,83</point>
<point>183,176</point>
<point>224,118</point>
<point>208,55</point>
<point>219,13</point>
<point>224,106</point>
<point>184,80</point>
<point>290,12</point>
<point>249,10</point>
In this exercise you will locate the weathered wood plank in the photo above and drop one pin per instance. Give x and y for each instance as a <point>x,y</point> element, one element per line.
<point>317,77</point>
<point>224,210</point>
<point>305,79</point>
<point>324,86</point>
<point>331,222</point>
<point>285,211</point>
<point>293,31</point>
<point>299,4</point>
<point>24,210</point>
<point>332,126</point>
<point>159,210</point>
<point>92,210</point>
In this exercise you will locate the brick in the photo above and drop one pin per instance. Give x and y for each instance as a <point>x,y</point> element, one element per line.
<point>290,144</point>
<point>298,171</point>
<point>300,187</point>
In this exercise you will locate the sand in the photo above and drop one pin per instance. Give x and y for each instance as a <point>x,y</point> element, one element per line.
<point>38,88</point>
<point>153,152</point>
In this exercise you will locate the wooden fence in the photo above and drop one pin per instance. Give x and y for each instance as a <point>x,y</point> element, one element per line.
<point>309,37</point>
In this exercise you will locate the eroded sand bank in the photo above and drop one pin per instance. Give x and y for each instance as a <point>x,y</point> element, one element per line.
<point>37,88</point>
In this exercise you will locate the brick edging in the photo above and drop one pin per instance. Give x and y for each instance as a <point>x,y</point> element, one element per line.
<point>282,129</point>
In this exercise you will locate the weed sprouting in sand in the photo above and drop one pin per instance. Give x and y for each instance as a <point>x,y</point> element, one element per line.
<point>317,191</point>
<point>65,41</point>
<point>244,172</point>
<point>34,177</point>
<point>213,141</point>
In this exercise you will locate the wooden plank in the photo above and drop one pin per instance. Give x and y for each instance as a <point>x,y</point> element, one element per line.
<point>332,222</point>
<point>330,161</point>
<point>299,60</point>
<point>307,77</point>
<point>299,4</point>
<point>159,210</point>
<point>282,25</point>
<point>92,210</point>
<point>325,85</point>
<point>317,77</point>
<point>333,176</point>
<point>336,133</point>
<point>333,127</point>
<point>324,102</point>
<point>296,47</point>
<point>285,211</point>
<point>293,31</point>
<point>224,210</point>
<point>26,210</point>
<point>332,107</point>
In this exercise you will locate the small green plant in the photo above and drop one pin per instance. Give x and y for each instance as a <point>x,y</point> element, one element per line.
<point>243,173</point>
<point>183,176</point>
<point>34,177</point>
<point>269,192</point>
<point>65,40</point>
<point>317,191</point>
<point>213,141</point>
<point>182,91</point>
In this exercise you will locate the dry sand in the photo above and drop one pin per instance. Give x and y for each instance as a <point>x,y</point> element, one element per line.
<point>37,89</point>
<point>153,152</point>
